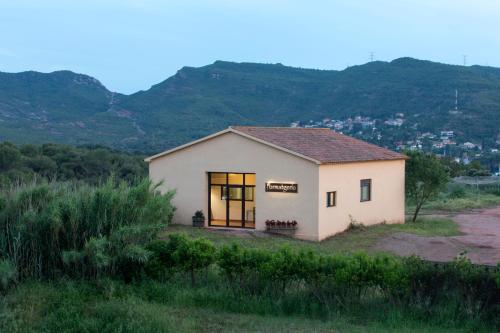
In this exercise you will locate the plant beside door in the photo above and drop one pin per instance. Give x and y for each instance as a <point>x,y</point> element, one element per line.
<point>281,225</point>
<point>199,219</point>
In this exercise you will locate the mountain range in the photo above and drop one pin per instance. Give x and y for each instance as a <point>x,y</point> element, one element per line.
<point>77,109</point>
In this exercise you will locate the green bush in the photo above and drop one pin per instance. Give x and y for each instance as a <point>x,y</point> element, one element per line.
<point>457,192</point>
<point>92,165</point>
<point>178,254</point>
<point>160,263</point>
<point>8,274</point>
<point>53,229</point>
<point>245,268</point>
<point>460,289</point>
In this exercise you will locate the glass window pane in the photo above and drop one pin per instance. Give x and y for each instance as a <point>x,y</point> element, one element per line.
<point>218,178</point>
<point>249,193</point>
<point>330,199</point>
<point>365,189</point>
<point>236,179</point>
<point>218,206</point>
<point>364,193</point>
<point>235,193</point>
<point>249,179</point>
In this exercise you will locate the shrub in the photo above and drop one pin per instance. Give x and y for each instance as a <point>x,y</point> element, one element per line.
<point>475,287</point>
<point>457,192</point>
<point>8,274</point>
<point>199,214</point>
<point>192,255</point>
<point>52,229</point>
<point>246,268</point>
<point>160,262</point>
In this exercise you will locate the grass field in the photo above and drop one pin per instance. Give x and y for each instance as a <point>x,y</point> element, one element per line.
<point>459,204</point>
<point>359,239</point>
<point>108,306</point>
<point>468,199</point>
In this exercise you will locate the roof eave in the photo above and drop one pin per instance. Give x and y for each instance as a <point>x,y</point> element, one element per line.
<point>367,160</point>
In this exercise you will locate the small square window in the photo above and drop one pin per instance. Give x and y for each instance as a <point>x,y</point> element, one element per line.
<point>331,199</point>
<point>366,190</point>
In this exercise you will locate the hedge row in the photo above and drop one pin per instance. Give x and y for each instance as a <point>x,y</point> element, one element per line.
<point>333,280</point>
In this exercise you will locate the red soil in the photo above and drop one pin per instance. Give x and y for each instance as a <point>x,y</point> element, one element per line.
<point>480,240</point>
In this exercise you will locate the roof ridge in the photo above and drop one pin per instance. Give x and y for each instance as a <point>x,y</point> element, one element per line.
<point>326,146</point>
<point>318,145</point>
<point>283,127</point>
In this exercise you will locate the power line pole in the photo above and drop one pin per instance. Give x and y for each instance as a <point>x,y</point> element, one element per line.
<point>372,56</point>
<point>465,59</point>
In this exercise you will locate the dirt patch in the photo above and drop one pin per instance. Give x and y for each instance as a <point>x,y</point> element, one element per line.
<point>480,240</point>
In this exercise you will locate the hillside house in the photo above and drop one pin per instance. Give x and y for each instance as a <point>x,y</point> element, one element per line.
<point>243,177</point>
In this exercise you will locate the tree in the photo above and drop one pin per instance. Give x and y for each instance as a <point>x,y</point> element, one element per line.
<point>9,156</point>
<point>192,255</point>
<point>426,176</point>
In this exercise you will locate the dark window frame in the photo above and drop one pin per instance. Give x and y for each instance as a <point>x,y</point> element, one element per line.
<point>328,197</point>
<point>244,185</point>
<point>365,183</point>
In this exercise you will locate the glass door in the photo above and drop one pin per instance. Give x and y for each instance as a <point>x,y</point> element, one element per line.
<point>235,199</point>
<point>231,200</point>
<point>217,210</point>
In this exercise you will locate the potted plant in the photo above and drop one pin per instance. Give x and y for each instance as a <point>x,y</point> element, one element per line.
<point>198,219</point>
<point>278,225</point>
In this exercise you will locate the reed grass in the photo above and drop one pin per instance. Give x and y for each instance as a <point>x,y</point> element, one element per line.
<point>52,229</point>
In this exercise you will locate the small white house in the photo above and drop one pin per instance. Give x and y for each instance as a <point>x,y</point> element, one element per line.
<point>242,177</point>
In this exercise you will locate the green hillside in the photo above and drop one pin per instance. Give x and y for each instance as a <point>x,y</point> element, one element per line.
<point>75,109</point>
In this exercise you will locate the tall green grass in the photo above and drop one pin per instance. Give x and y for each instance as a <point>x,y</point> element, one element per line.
<point>303,283</point>
<point>459,197</point>
<point>53,229</point>
<point>108,306</point>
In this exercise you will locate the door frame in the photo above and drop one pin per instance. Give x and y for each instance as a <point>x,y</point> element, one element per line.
<point>243,199</point>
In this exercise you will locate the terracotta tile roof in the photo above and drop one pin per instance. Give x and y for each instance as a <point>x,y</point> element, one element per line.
<point>320,144</point>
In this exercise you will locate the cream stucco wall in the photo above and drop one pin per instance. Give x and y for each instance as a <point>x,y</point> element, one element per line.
<point>186,170</point>
<point>387,202</point>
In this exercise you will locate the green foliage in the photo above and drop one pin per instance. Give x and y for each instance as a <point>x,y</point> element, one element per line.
<point>245,268</point>
<point>199,214</point>
<point>91,165</point>
<point>160,264</point>
<point>390,291</point>
<point>470,201</point>
<point>345,282</point>
<point>457,192</point>
<point>53,229</point>
<point>199,101</point>
<point>426,176</point>
<point>473,169</point>
<point>8,274</point>
<point>192,255</point>
<point>108,306</point>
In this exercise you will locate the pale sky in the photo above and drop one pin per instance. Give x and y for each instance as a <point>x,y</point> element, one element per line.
<point>130,45</point>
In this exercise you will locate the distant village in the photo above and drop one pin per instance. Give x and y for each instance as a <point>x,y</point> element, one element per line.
<point>398,134</point>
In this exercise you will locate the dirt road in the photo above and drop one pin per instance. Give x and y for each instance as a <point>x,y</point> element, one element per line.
<point>480,240</point>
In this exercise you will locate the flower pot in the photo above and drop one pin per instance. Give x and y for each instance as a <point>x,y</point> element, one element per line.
<point>198,221</point>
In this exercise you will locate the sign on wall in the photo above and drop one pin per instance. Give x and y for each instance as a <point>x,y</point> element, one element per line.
<point>282,187</point>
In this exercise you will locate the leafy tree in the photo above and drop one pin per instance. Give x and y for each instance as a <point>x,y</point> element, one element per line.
<point>192,255</point>
<point>426,176</point>
<point>9,156</point>
<point>21,163</point>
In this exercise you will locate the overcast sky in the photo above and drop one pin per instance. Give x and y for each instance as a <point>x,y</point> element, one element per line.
<point>130,45</point>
